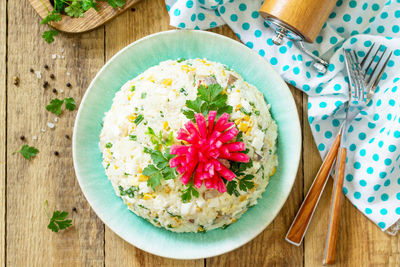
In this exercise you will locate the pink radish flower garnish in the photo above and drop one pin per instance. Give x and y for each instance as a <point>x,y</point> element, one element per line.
<point>206,145</point>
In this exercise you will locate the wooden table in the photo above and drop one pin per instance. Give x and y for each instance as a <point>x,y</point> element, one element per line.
<point>25,185</point>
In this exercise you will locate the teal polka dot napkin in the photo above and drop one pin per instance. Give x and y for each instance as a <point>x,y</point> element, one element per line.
<point>372,181</point>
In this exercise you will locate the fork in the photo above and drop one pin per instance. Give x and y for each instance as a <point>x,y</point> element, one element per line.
<point>300,224</point>
<point>364,84</point>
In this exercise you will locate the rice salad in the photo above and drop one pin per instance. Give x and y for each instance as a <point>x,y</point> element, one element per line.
<point>142,125</point>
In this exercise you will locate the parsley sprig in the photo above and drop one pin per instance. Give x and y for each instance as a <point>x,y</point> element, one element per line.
<point>27,152</point>
<point>208,98</point>
<point>55,105</point>
<point>188,193</point>
<point>74,9</point>
<point>58,220</point>
<point>160,169</point>
<point>158,140</point>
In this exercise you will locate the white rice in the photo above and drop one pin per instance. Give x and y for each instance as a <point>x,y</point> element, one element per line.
<point>159,95</point>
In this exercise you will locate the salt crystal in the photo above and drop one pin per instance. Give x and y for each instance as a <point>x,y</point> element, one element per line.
<point>50,125</point>
<point>62,57</point>
<point>73,45</point>
<point>43,130</point>
<point>61,91</point>
<point>56,119</point>
<point>58,56</point>
<point>68,73</point>
<point>34,137</point>
<point>38,74</point>
<point>53,56</point>
<point>62,50</point>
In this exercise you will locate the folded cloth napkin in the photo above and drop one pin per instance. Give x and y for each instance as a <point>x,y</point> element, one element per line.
<point>372,179</point>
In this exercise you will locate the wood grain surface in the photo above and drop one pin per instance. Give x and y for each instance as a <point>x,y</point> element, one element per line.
<point>24,238</point>
<point>89,21</point>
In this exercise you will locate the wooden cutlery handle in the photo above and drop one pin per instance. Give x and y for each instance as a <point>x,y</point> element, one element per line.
<point>300,223</point>
<point>336,204</point>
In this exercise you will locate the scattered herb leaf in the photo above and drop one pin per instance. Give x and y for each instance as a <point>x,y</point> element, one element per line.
<point>188,193</point>
<point>58,220</point>
<point>27,152</point>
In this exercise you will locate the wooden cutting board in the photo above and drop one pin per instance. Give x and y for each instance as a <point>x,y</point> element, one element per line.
<point>91,20</point>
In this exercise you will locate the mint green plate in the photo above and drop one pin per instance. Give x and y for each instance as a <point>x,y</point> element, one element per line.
<point>133,60</point>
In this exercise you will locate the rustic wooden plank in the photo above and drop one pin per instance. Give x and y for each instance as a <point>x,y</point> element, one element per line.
<point>91,20</point>
<point>150,17</point>
<point>270,248</point>
<point>3,38</point>
<point>360,243</point>
<point>30,183</point>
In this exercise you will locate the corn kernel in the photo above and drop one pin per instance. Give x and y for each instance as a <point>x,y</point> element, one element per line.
<point>198,209</point>
<point>143,178</point>
<point>148,196</point>
<point>246,117</point>
<point>165,125</point>
<point>151,78</point>
<point>237,121</point>
<point>223,73</point>
<point>234,220</point>
<point>167,82</point>
<point>238,107</point>
<point>116,167</point>
<point>242,198</point>
<point>140,169</point>
<point>243,126</point>
<point>187,68</point>
<point>130,96</point>
<point>132,117</point>
<point>176,92</point>
<point>273,171</point>
<point>248,132</point>
<point>167,189</point>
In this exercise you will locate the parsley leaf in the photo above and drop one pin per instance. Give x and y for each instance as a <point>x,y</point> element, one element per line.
<point>188,193</point>
<point>208,98</point>
<point>132,137</point>
<point>154,175</point>
<point>158,140</point>
<point>246,182</point>
<point>75,9</point>
<point>52,16</point>
<point>231,188</point>
<point>27,152</point>
<point>56,105</point>
<point>49,35</point>
<point>69,103</point>
<point>116,3</point>
<point>160,169</point>
<point>58,220</point>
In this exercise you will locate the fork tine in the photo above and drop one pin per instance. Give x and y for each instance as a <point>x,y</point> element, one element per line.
<point>376,66</point>
<point>372,60</point>
<point>358,87</point>
<point>360,80</point>
<point>354,82</point>
<point>366,56</point>
<point>378,78</point>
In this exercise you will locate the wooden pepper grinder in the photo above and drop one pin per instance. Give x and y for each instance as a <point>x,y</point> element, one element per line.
<point>299,20</point>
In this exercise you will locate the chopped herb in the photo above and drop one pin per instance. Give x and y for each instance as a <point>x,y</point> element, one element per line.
<point>27,152</point>
<point>183,91</point>
<point>143,95</point>
<point>108,165</point>
<point>257,112</point>
<point>225,226</point>
<point>170,226</point>
<point>245,111</point>
<point>201,229</point>
<point>143,207</point>
<point>160,169</point>
<point>133,88</point>
<point>130,192</point>
<point>108,145</point>
<point>132,137</point>
<point>188,193</point>
<point>139,119</point>
<point>161,114</point>
<point>173,215</point>
<point>180,60</point>
<point>227,68</point>
<point>58,220</point>
<point>208,99</point>
<point>55,105</point>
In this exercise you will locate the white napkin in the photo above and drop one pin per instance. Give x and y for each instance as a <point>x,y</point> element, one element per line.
<point>372,181</point>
